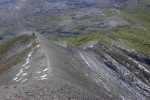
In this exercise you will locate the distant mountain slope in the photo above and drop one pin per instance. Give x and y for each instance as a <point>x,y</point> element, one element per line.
<point>32,14</point>
<point>73,17</point>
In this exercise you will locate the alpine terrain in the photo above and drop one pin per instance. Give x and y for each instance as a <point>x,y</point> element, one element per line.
<point>74,50</point>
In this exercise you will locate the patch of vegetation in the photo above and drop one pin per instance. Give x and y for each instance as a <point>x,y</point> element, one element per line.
<point>66,18</point>
<point>139,39</point>
<point>82,38</point>
<point>5,46</point>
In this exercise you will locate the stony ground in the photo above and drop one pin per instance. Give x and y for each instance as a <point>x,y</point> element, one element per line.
<point>61,72</point>
<point>29,80</point>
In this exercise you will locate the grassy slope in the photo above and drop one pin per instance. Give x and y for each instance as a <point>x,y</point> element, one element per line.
<point>5,64</point>
<point>5,46</point>
<point>138,38</point>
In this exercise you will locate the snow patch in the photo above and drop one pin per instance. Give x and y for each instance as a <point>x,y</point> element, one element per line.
<point>14,79</point>
<point>45,69</point>
<point>21,70</point>
<point>38,46</point>
<point>27,67</point>
<point>29,55</point>
<point>24,74</point>
<point>23,80</point>
<point>19,80</point>
<point>43,76</point>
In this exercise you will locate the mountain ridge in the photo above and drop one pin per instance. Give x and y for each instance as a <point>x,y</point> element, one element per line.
<point>75,50</point>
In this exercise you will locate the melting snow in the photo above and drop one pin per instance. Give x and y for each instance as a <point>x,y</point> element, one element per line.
<point>19,80</point>
<point>43,76</point>
<point>38,46</point>
<point>27,67</point>
<point>15,78</point>
<point>23,80</point>
<point>24,64</point>
<point>21,70</point>
<point>29,55</point>
<point>45,69</point>
<point>24,74</point>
